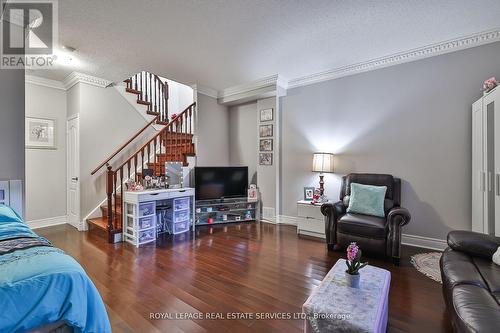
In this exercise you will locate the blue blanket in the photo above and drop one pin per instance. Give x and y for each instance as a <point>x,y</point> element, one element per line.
<point>42,285</point>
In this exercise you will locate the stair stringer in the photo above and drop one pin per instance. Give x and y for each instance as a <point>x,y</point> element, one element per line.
<point>132,99</point>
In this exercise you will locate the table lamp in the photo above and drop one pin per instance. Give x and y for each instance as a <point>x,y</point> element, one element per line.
<point>322,162</point>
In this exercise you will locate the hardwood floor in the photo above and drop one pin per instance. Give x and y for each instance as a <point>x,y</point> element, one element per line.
<point>236,268</point>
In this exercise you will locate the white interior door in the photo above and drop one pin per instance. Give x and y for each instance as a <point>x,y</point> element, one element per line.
<point>495,104</point>
<point>73,172</point>
<point>478,174</point>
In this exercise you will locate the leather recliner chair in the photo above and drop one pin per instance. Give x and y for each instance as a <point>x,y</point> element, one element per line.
<point>471,282</point>
<point>381,235</point>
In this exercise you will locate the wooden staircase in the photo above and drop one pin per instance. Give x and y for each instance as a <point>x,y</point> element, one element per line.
<point>173,143</point>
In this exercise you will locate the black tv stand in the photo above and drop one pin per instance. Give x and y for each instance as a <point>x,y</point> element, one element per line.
<point>226,210</point>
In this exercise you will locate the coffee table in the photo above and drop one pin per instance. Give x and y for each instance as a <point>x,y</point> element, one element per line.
<point>335,307</point>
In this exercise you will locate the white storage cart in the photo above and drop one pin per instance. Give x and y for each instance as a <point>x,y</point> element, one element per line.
<point>140,213</point>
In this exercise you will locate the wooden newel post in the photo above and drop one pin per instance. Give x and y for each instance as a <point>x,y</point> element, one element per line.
<point>109,193</point>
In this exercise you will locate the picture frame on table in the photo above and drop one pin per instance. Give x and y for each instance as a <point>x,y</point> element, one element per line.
<point>266,145</point>
<point>40,133</point>
<point>267,115</point>
<point>266,159</point>
<point>266,131</point>
<point>309,193</point>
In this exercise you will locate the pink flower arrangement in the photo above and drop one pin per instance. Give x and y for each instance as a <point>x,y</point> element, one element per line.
<point>353,262</point>
<point>490,84</point>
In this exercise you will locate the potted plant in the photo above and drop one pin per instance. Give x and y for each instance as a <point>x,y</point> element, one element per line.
<point>354,264</point>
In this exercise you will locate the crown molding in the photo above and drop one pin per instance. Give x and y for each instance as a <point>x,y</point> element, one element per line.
<point>205,90</point>
<point>432,50</point>
<point>76,77</point>
<point>41,81</point>
<point>69,81</point>
<point>273,85</point>
<point>266,82</point>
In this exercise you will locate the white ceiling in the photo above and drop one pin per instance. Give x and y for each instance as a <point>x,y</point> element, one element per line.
<point>222,43</point>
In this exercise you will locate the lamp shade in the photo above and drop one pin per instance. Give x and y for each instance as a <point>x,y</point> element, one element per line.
<point>322,162</point>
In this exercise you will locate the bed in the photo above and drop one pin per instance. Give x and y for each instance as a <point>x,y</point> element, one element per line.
<point>41,288</point>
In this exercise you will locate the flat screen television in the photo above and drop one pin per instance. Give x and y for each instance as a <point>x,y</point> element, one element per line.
<point>220,182</point>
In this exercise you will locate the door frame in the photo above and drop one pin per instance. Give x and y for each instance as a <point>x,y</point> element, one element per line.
<point>79,225</point>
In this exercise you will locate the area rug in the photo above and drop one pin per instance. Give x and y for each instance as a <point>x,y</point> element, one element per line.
<point>428,264</point>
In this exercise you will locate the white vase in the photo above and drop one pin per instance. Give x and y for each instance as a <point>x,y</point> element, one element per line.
<point>352,280</point>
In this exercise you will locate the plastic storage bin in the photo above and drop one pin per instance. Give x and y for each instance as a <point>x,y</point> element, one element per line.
<point>146,222</point>
<point>182,203</point>
<point>178,228</point>
<point>146,236</point>
<point>147,209</point>
<point>177,216</point>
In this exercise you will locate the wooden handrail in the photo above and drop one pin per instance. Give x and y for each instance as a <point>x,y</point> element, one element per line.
<point>166,128</point>
<point>124,145</point>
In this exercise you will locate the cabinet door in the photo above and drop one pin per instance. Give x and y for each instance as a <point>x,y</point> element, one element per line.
<point>478,174</point>
<point>493,104</point>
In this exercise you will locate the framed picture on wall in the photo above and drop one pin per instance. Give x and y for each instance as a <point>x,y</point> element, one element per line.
<point>266,131</point>
<point>266,145</point>
<point>266,158</point>
<point>266,115</point>
<point>40,133</point>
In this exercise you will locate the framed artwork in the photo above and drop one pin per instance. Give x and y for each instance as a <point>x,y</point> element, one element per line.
<point>40,133</point>
<point>308,193</point>
<point>266,115</point>
<point>266,158</point>
<point>266,145</point>
<point>266,131</point>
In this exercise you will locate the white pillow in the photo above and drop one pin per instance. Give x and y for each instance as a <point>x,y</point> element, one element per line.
<point>496,257</point>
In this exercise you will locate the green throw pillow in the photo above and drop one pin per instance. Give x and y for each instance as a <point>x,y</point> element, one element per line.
<point>367,200</point>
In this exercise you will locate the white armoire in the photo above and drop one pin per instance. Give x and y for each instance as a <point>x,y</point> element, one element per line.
<point>486,163</point>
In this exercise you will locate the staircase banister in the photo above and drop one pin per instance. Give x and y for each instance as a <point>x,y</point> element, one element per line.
<point>181,114</point>
<point>105,162</point>
<point>166,128</point>
<point>140,150</point>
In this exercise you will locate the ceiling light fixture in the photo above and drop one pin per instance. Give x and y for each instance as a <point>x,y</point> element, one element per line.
<point>65,56</point>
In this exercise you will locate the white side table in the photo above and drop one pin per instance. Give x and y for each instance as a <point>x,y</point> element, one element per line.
<point>310,220</point>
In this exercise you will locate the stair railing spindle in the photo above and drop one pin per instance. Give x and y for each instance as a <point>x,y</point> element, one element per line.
<point>114,184</point>
<point>121,196</point>
<point>154,157</point>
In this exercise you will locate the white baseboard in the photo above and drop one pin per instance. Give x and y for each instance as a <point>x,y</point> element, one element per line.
<point>424,242</point>
<point>284,219</point>
<point>280,219</point>
<point>51,221</point>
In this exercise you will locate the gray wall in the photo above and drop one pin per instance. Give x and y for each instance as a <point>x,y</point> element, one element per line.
<point>243,138</point>
<point>45,166</point>
<point>267,181</point>
<point>412,120</point>
<point>244,122</point>
<point>107,121</point>
<point>212,132</point>
<point>12,162</point>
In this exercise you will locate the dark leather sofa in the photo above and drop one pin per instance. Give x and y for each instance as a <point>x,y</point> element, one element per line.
<point>381,235</point>
<point>471,282</point>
